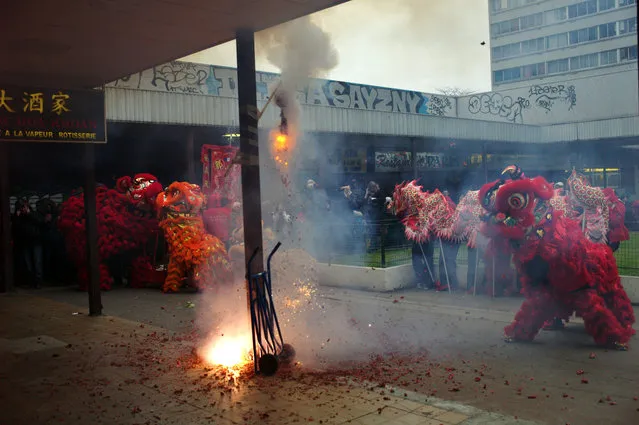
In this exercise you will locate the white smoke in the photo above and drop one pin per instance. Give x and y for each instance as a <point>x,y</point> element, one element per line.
<point>301,50</point>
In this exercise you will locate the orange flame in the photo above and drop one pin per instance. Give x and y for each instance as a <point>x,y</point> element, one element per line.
<point>281,148</point>
<point>228,351</point>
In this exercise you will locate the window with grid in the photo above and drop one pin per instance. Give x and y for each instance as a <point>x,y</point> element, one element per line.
<point>512,74</point>
<point>623,3</point>
<point>555,15</point>
<point>505,27</point>
<point>606,5</point>
<point>628,25</point>
<point>497,53</point>
<point>613,178</point>
<point>628,53</point>
<point>530,21</point>
<point>583,35</point>
<point>533,46</point>
<point>556,66</point>
<point>582,9</point>
<point>584,61</point>
<point>608,57</point>
<point>534,70</point>
<point>497,5</point>
<point>608,30</point>
<point>557,41</point>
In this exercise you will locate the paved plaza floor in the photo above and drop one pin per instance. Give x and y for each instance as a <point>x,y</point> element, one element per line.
<point>135,365</point>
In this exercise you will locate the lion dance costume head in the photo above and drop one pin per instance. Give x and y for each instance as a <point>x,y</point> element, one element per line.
<point>560,269</point>
<point>193,252</point>
<point>141,190</point>
<point>514,207</point>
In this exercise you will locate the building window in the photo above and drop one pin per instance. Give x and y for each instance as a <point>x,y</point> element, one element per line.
<point>557,41</point>
<point>533,46</point>
<point>628,25</point>
<point>608,57</point>
<point>506,51</point>
<point>608,30</point>
<point>584,61</point>
<point>556,15</point>
<point>505,27</point>
<point>606,5</point>
<point>497,5</point>
<point>583,35</point>
<point>506,75</point>
<point>613,178</point>
<point>530,21</point>
<point>623,3</point>
<point>557,66</point>
<point>582,9</point>
<point>628,53</point>
<point>534,70</point>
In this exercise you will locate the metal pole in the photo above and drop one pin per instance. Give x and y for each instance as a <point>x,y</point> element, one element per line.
<point>249,148</point>
<point>476,268</point>
<point>269,100</point>
<point>430,272</point>
<point>493,296</point>
<point>441,252</point>
<point>5,216</point>
<point>91,220</point>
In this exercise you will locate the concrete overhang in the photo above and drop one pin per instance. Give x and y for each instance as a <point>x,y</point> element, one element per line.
<point>76,44</point>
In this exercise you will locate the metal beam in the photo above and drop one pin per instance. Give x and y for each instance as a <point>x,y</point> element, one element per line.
<point>91,220</point>
<point>249,148</point>
<point>5,217</point>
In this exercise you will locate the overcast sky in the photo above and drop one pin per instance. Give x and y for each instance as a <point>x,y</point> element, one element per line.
<point>421,45</point>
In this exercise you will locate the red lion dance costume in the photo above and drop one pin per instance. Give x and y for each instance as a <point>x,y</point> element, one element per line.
<point>125,222</point>
<point>192,250</point>
<point>561,270</point>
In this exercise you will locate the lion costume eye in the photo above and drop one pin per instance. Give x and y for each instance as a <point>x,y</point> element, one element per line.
<point>518,201</point>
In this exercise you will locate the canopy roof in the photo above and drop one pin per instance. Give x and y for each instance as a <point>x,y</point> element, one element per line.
<point>86,43</point>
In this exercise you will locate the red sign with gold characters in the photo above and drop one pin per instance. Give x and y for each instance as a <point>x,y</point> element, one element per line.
<point>52,115</point>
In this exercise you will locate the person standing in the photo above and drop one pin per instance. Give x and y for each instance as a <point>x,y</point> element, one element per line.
<point>28,225</point>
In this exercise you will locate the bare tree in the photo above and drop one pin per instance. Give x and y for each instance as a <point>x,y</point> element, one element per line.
<point>455,91</point>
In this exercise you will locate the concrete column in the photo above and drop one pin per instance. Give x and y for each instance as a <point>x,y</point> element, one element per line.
<point>413,150</point>
<point>484,162</point>
<point>5,216</point>
<point>91,220</point>
<point>249,147</point>
<point>190,153</point>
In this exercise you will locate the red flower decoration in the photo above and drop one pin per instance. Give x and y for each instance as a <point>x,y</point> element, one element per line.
<point>500,216</point>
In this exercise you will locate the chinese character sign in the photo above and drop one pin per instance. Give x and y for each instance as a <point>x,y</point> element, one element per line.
<point>59,115</point>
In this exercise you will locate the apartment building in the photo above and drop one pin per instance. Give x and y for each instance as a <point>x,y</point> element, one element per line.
<point>535,41</point>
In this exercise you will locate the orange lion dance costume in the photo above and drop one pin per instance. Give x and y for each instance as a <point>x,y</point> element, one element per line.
<point>193,252</point>
<point>561,270</point>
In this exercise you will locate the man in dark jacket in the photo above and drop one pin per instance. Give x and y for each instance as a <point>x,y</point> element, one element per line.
<point>28,224</point>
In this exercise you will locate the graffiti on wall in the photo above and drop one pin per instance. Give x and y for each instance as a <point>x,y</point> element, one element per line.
<point>499,105</point>
<point>545,97</point>
<point>393,161</point>
<point>428,160</point>
<point>197,79</point>
<point>511,108</point>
